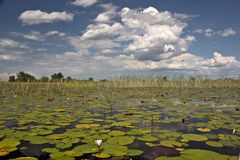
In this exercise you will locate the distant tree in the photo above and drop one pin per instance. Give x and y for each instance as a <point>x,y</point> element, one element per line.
<point>44,79</point>
<point>192,78</point>
<point>57,77</point>
<point>165,78</point>
<point>90,79</point>
<point>25,77</point>
<point>68,79</point>
<point>11,78</point>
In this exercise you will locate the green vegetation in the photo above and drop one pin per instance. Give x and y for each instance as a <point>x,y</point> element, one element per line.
<point>133,117</point>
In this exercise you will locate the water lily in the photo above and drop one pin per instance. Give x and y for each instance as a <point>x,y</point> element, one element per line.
<point>234,131</point>
<point>98,142</point>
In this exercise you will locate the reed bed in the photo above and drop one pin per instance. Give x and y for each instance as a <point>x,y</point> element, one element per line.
<point>117,82</point>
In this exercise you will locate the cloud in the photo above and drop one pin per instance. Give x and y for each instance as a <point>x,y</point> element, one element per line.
<point>5,75</point>
<point>9,43</point>
<point>144,33</point>
<point>55,33</point>
<point>131,41</point>
<point>84,3</point>
<point>228,32</point>
<point>38,36</point>
<point>109,12</point>
<point>8,57</point>
<point>140,40</point>
<point>31,17</point>
<point>209,32</point>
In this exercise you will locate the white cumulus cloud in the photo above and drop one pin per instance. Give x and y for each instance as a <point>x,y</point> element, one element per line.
<point>84,3</point>
<point>209,32</point>
<point>9,43</point>
<point>38,36</point>
<point>31,17</point>
<point>228,32</point>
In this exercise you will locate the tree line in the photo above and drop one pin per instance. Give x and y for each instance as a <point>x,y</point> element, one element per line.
<point>26,77</point>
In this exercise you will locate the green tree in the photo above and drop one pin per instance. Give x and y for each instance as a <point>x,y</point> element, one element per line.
<point>90,79</point>
<point>68,79</point>
<point>25,77</point>
<point>57,77</point>
<point>11,78</point>
<point>44,79</point>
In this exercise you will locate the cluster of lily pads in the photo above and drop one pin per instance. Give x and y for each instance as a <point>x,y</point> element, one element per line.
<point>141,124</point>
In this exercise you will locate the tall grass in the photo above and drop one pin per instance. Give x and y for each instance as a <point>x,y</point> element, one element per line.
<point>117,82</point>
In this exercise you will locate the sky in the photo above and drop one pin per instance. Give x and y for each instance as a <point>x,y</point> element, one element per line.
<point>107,38</point>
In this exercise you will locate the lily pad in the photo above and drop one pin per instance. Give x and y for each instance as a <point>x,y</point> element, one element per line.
<point>73,153</point>
<point>102,155</point>
<point>116,133</point>
<point>194,137</point>
<point>214,144</point>
<point>121,140</point>
<point>86,125</point>
<point>203,129</point>
<point>169,158</point>
<point>198,154</point>
<point>121,124</point>
<point>86,148</point>
<point>134,152</point>
<point>114,150</point>
<point>50,150</point>
<point>172,143</point>
<point>148,138</point>
<point>26,158</point>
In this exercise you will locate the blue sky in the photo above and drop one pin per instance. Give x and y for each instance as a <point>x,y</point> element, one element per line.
<point>103,38</point>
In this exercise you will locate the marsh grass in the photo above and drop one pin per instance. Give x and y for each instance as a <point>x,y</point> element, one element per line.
<point>118,82</point>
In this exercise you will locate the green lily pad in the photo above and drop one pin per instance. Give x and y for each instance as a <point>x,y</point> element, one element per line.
<point>50,150</point>
<point>9,142</point>
<point>134,152</point>
<point>114,149</point>
<point>86,148</point>
<point>203,129</point>
<point>86,126</point>
<point>121,124</point>
<point>56,136</point>
<point>73,153</point>
<point>148,138</point>
<point>62,145</point>
<point>214,144</point>
<point>102,155</point>
<point>171,143</point>
<point>116,133</point>
<point>65,158</point>
<point>152,144</point>
<point>38,140</point>
<point>26,158</point>
<point>169,158</point>
<point>194,137</point>
<point>56,154</point>
<point>121,140</point>
<point>138,132</point>
<point>198,154</point>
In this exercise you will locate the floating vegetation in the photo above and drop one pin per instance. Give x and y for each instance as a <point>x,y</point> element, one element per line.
<point>203,129</point>
<point>77,125</point>
<point>214,144</point>
<point>194,137</point>
<point>121,140</point>
<point>197,154</point>
<point>172,143</point>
